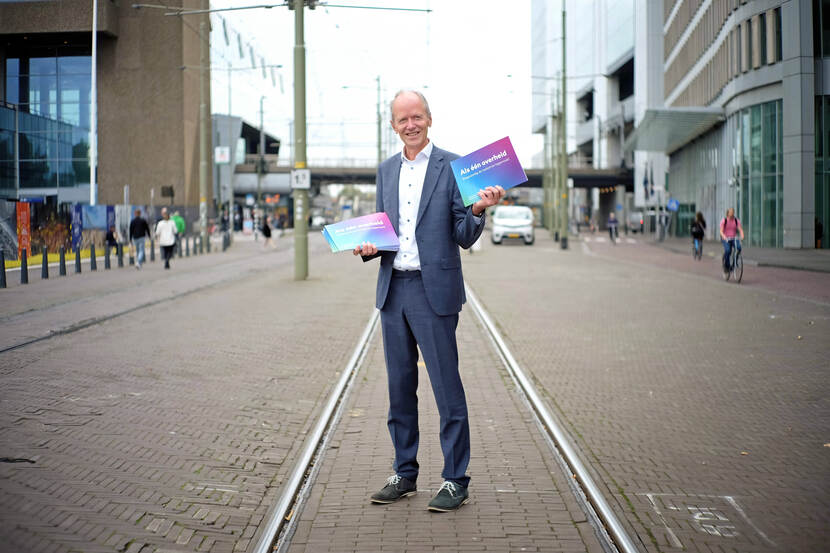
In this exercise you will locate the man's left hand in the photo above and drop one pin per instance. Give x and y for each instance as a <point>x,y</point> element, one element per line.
<point>490,196</point>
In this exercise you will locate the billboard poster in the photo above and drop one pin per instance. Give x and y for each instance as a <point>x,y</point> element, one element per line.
<point>110,216</point>
<point>77,225</point>
<point>24,229</point>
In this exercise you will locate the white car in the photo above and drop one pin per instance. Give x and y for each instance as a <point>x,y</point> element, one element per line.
<point>512,221</point>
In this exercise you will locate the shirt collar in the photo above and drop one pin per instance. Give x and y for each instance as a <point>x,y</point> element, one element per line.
<point>425,153</point>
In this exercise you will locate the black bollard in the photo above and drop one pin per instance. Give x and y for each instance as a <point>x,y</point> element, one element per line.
<point>179,246</point>
<point>120,255</point>
<point>107,257</point>
<point>62,264</point>
<point>201,246</point>
<point>24,267</point>
<point>187,246</point>
<point>207,245</point>
<point>152,250</point>
<point>2,269</point>
<point>93,263</point>
<point>77,260</point>
<point>44,266</point>
<point>132,258</point>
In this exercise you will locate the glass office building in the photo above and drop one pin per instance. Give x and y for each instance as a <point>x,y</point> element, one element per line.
<point>44,120</point>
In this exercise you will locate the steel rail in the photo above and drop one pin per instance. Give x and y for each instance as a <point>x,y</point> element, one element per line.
<point>276,518</point>
<point>612,524</point>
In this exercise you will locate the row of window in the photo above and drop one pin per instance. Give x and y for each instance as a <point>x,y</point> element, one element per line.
<point>750,45</point>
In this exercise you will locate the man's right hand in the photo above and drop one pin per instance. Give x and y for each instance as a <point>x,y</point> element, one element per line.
<point>365,249</point>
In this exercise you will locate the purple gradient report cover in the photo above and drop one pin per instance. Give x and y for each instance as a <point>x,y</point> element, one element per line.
<point>493,165</point>
<point>374,228</point>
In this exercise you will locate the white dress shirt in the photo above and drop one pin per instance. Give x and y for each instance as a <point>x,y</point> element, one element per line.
<point>410,185</point>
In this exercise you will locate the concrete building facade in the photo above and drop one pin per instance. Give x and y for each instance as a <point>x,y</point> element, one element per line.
<point>148,81</point>
<point>737,102</point>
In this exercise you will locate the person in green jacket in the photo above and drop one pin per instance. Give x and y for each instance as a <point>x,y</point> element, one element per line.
<point>180,226</point>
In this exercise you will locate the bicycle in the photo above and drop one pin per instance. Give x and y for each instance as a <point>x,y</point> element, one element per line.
<point>736,263</point>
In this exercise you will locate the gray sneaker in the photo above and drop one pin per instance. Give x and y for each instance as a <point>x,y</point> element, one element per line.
<point>397,487</point>
<point>450,497</point>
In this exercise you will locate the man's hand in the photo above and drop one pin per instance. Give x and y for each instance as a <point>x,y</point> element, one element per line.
<point>490,196</point>
<point>367,248</point>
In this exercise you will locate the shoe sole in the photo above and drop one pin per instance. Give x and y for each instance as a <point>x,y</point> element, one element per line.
<point>440,510</point>
<point>388,501</point>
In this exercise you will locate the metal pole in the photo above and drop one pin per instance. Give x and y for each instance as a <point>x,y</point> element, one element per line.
<point>232,153</point>
<point>93,111</point>
<point>380,127</point>
<point>563,198</point>
<point>203,128</point>
<point>300,196</point>
<point>261,165</point>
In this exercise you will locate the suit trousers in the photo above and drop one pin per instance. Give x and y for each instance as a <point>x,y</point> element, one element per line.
<point>408,322</point>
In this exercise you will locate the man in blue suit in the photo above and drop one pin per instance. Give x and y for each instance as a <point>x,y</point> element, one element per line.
<point>420,291</point>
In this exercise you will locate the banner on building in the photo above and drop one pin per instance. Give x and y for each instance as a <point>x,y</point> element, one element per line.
<point>24,229</point>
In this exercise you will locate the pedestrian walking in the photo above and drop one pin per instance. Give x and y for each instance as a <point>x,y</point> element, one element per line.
<point>420,290</point>
<point>166,232</point>
<point>181,227</point>
<point>139,231</point>
<point>111,239</point>
<point>612,227</point>
<point>266,232</point>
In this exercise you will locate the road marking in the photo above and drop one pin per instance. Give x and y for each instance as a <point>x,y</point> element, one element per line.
<point>704,517</point>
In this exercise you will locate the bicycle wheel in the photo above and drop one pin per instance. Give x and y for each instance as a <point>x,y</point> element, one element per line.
<point>738,267</point>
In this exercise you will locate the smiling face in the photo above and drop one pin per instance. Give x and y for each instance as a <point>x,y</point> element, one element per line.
<point>411,121</point>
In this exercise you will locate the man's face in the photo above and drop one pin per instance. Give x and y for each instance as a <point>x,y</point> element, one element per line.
<point>411,122</point>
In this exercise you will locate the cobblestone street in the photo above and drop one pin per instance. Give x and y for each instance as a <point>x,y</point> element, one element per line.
<point>162,411</point>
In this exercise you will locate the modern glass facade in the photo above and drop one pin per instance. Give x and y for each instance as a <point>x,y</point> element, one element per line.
<point>757,172</point>
<point>823,168</point>
<point>47,102</point>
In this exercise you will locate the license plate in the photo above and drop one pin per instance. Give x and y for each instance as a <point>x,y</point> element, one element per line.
<point>513,235</point>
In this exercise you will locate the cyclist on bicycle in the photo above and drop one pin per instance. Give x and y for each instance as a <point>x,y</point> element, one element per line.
<point>698,229</point>
<point>730,229</point>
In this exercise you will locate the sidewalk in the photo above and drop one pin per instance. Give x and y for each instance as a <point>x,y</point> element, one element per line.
<point>805,260</point>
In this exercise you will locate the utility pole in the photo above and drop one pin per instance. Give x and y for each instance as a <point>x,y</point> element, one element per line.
<point>380,127</point>
<point>231,154</point>
<point>93,123</point>
<point>260,168</point>
<point>203,128</point>
<point>563,198</point>
<point>300,195</point>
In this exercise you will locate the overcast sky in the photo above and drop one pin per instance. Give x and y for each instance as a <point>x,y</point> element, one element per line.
<point>460,55</point>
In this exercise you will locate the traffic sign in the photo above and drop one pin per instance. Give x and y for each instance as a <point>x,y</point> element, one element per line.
<point>673,205</point>
<point>301,179</point>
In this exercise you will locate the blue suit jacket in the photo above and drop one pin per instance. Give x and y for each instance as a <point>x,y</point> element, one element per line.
<point>442,226</point>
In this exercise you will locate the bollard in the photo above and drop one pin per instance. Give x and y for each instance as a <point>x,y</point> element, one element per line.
<point>93,263</point>
<point>152,250</point>
<point>77,260</point>
<point>120,255</point>
<point>107,257</point>
<point>2,269</point>
<point>187,246</point>
<point>62,264</point>
<point>132,258</point>
<point>208,244</point>
<point>24,267</point>
<point>225,242</point>
<point>44,266</point>
<point>179,245</point>
<point>201,246</point>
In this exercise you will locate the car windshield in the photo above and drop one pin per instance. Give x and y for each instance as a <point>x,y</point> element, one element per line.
<point>513,212</point>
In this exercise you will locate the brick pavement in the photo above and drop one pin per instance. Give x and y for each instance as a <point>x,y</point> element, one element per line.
<point>520,498</point>
<point>173,427</point>
<point>701,405</point>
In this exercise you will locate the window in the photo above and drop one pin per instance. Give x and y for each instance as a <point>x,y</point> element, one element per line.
<point>778,51</point>
<point>749,49</point>
<point>762,46</point>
